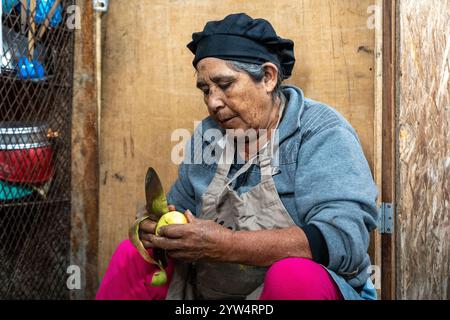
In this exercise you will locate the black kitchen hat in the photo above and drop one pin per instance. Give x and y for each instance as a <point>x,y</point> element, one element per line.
<point>240,38</point>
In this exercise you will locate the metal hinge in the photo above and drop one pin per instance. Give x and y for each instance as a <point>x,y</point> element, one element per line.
<point>101,5</point>
<point>386,214</point>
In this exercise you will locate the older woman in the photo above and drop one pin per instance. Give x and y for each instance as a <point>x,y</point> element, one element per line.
<point>290,224</point>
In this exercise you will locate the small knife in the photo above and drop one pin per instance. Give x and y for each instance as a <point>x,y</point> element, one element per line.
<point>156,206</point>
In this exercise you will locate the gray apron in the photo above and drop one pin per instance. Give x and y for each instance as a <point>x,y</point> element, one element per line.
<point>258,209</point>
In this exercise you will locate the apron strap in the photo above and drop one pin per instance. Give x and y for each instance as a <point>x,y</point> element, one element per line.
<point>244,168</point>
<point>266,157</point>
<point>265,167</point>
<point>264,161</point>
<point>226,158</point>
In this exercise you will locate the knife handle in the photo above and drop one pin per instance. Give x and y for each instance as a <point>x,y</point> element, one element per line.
<point>160,255</point>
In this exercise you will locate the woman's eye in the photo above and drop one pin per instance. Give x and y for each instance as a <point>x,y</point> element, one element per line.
<point>225,86</point>
<point>222,87</point>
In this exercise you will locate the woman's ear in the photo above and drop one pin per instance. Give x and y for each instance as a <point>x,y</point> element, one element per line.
<point>270,76</point>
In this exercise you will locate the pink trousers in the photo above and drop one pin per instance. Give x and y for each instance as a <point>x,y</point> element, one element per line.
<point>128,277</point>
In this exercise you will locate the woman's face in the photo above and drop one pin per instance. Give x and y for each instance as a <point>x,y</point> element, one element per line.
<point>233,99</point>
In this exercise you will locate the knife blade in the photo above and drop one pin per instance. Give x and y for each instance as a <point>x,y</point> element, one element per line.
<point>156,206</point>
<point>154,195</point>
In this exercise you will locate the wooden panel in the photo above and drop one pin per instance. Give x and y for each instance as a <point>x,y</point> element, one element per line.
<point>388,143</point>
<point>376,238</point>
<point>85,169</point>
<point>149,84</point>
<point>424,151</point>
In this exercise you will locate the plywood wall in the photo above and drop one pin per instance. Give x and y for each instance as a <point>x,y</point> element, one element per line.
<point>149,84</point>
<point>423,247</point>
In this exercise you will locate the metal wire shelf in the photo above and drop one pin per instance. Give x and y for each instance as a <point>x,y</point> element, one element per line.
<point>10,75</point>
<point>35,96</point>
<point>35,203</point>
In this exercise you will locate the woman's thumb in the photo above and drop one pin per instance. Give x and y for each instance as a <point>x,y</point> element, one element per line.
<point>189,216</point>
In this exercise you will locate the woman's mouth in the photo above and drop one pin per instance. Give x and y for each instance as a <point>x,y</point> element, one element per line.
<point>227,120</point>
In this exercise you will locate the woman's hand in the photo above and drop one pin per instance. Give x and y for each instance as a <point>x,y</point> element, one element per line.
<point>197,240</point>
<point>207,240</point>
<point>147,227</point>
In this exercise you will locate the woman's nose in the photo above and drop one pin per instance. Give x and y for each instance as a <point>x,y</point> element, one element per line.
<point>214,100</point>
